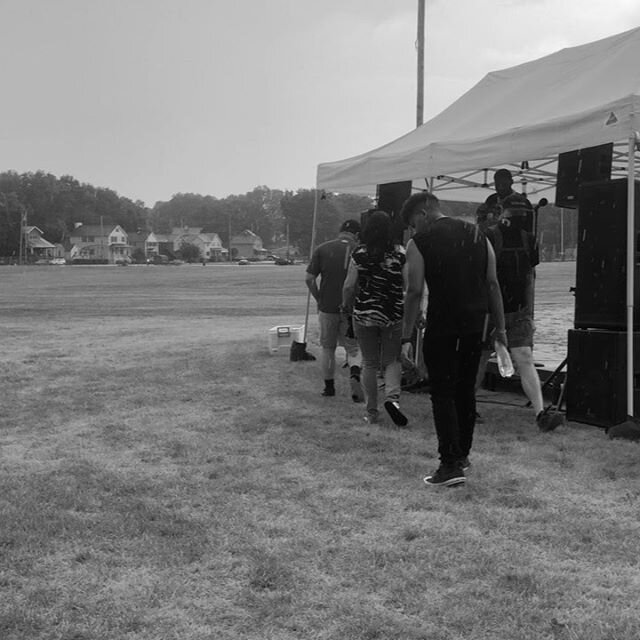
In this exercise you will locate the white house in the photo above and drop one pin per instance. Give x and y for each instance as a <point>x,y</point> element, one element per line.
<point>98,242</point>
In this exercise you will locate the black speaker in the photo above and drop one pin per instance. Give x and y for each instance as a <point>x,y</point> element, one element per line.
<point>592,164</point>
<point>601,270</point>
<point>596,383</point>
<point>391,196</point>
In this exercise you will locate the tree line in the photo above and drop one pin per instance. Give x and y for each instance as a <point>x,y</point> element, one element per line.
<point>56,204</point>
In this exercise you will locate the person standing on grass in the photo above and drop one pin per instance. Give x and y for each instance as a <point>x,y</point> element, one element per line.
<point>516,253</point>
<point>487,215</point>
<point>373,296</point>
<point>457,263</point>
<point>330,262</point>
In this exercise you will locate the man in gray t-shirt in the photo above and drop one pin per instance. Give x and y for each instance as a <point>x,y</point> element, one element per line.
<point>330,262</point>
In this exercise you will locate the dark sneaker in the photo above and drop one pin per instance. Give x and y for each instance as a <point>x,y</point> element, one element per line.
<point>329,391</point>
<point>549,419</point>
<point>446,476</point>
<point>393,409</point>
<point>357,394</point>
<point>465,464</point>
<point>371,418</point>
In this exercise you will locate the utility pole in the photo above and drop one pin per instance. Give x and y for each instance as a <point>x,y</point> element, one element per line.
<point>420,48</point>
<point>22,252</point>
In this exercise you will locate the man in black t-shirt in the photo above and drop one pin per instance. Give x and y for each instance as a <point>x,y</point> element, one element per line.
<point>490,211</point>
<point>456,262</point>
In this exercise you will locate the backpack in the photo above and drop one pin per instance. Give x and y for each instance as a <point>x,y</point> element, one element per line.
<point>514,267</point>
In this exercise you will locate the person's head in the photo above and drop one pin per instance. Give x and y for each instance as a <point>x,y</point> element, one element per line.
<point>350,226</point>
<point>515,211</point>
<point>503,180</point>
<point>377,233</point>
<point>420,209</point>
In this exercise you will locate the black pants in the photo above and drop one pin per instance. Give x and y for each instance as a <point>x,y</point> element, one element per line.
<point>452,364</point>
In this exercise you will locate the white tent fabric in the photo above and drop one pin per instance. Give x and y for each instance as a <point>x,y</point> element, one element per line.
<point>575,98</point>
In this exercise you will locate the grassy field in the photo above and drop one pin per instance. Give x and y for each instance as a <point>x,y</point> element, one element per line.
<point>164,477</point>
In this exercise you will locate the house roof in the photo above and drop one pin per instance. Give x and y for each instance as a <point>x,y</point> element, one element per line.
<point>39,243</point>
<point>246,234</point>
<point>137,237</point>
<point>94,230</point>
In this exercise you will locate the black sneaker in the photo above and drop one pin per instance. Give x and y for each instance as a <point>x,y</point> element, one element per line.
<point>329,391</point>
<point>549,419</point>
<point>393,409</point>
<point>446,476</point>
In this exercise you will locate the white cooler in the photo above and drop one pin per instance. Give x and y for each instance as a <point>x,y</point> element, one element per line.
<point>283,336</point>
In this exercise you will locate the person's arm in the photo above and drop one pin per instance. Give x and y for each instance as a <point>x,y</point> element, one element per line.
<point>415,286</point>
<point>349,287</point>
<point>496,308</point>
<point>311,276</point>
<point>312,285</point>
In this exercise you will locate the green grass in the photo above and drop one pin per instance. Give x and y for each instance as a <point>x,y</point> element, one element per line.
<point>163,476</point>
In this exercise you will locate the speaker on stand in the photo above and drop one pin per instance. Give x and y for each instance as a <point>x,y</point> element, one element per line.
<point>391,196</point>
<point>597,359</point>
<point>575,168</point>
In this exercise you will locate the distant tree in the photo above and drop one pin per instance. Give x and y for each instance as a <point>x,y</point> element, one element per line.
<point>11,209</point>
<point>190,252</point>
<point>55,205</point>
<point>332,210</point>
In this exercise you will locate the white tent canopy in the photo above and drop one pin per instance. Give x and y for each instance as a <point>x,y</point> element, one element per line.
<point>575,98</point>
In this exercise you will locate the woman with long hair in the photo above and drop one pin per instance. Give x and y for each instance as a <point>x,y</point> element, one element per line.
<point>373,295</point>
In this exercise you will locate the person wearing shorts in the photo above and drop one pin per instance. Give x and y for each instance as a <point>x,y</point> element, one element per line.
<point>330,262</point>
<point>516,253</point>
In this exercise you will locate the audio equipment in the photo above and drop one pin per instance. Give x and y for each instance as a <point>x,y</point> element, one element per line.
<point>596,388</point>
<point>578,167</point>
<point>391,196</point>
<point>602,256</point>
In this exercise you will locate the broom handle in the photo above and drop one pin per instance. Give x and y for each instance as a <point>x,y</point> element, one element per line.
<point>313,240</point>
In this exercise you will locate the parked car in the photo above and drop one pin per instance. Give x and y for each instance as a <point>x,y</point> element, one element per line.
<point>158,259</point>
<point>243,261</point>
<point>282,261</point>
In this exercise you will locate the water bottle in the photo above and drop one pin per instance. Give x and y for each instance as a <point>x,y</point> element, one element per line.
<point>505,366</point>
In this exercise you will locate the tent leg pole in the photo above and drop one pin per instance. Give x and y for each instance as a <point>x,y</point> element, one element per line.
<point>313,240</point>
<point>630,268</point>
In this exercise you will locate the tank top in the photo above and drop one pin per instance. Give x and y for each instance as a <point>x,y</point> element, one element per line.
<point>455,268</point>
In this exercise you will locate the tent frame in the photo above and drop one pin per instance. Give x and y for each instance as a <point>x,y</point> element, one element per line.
<point>533,176</point>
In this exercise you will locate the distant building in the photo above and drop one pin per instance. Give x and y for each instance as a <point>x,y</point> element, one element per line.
<point>247,245</point>
<point>37,247</point>
<point>170,244</point>
<point>100,242</point>
<point>137,241</point>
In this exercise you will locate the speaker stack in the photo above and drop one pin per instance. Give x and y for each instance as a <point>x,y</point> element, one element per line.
<point>596,390</point>
<point>391,197</point>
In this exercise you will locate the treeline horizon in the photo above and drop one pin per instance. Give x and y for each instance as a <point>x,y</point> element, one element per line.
<point>56,204</point>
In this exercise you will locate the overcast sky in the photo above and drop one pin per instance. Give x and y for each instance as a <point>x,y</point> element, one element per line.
<point>156,97</point>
